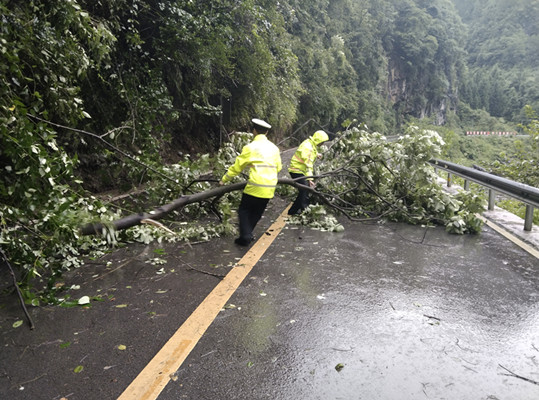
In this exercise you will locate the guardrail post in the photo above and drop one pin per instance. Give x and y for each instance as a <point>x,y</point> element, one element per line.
<point>491,199</point>
<point>528,220</point>
<point>527,194</point>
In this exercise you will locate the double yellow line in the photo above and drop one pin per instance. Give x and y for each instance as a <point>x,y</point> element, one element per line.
<point>156,375</point>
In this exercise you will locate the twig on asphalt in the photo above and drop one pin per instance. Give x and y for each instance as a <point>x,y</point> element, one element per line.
<point>31,380</point>
<point>422,242</point>
<point>471,369</point>
<point>464,348</point>
<point>425,388</point>
<point>511,373</point>
<point>114,270</point>
<point>189,267</point>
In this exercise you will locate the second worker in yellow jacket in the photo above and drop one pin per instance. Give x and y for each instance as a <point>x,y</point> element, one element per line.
<point>302,166</point>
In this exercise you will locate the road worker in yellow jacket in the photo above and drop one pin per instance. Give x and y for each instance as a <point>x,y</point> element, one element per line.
<point>263,161</point>
<point>302,166</point>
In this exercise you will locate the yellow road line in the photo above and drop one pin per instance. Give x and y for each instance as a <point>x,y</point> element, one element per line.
<point>510,236</point>
<point>156,375</point>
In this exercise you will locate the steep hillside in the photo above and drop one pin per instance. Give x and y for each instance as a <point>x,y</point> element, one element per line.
<point>502,56</point>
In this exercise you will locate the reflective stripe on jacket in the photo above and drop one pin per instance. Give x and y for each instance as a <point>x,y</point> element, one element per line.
<point>263,159</point>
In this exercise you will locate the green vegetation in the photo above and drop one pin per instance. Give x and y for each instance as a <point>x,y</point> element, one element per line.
<point>43,240</point>
<point>100,95</point>
<point>520,162</point>
<point>366,175</point>
<point>502,54</point>
<point>515,158</point>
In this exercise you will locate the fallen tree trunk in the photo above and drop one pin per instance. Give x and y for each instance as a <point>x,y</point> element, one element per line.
<point>162,211</point>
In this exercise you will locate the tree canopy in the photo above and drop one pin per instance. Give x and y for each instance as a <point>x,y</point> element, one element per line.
<point>502,52</point>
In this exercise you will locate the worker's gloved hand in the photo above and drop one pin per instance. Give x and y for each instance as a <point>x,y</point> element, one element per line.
<point>312,184</point>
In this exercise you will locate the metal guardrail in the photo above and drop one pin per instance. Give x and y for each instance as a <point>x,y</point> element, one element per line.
<point>496,184</point>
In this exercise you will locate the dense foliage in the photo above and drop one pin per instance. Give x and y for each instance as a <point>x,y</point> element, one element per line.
<point>515,158</point>
<point>395,179</point>
<point>104,94</point>
<point>503,52</point>
<point>46,241</point>
<point>520,162</point>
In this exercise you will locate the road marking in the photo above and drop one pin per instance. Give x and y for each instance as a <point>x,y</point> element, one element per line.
<point>510,236</point>
<point>156,375</point>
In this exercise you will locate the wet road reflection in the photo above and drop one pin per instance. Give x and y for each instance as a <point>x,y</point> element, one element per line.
<point>408,312</point>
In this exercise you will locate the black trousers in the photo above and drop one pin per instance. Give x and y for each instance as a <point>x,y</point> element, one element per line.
<point>250,211</point>
<point>302,201</point>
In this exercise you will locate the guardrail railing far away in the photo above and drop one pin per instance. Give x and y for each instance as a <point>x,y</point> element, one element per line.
<point>529,195</point>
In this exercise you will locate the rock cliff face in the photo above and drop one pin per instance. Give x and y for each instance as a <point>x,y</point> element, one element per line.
<point>396,85</point>
<point>438,111</point>
<point>416,97</point>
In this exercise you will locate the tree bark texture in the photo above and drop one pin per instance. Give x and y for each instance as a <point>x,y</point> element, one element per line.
<point>162,211</point>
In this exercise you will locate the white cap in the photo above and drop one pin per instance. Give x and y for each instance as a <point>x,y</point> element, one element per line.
<point>261,123</point>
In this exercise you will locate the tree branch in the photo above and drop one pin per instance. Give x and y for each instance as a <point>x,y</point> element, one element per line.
<point>101,139</point>
<point>162,211</point>
<point>21,300</point>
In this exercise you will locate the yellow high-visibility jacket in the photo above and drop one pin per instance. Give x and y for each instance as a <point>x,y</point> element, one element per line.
<point>302,161</point>
<point>263,159</point>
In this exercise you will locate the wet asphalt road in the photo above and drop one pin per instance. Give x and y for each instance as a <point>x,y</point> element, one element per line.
<point>407,313</point>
